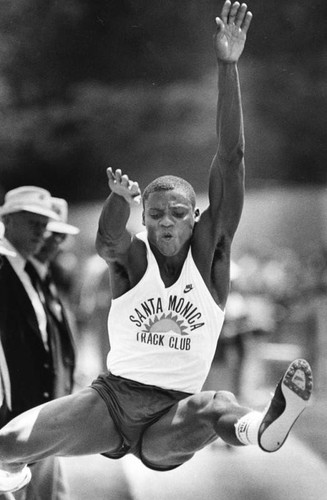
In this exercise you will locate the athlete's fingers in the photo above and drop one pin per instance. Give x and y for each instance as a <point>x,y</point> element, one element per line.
<point>232,13</point>
<point>225,11</point>
<point>220,25</point>
<point>134,186</point>
<point>124,180</point>
<point>110,174</point>
<point>240,15</point>
<point>137,199</point>
<point>135,191</point>
<point>117,175</point>
<point>247,22</point>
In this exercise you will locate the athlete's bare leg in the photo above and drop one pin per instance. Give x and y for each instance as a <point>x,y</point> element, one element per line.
<point>190,425</point>
<point>198,420</point>
<point>78,424</point>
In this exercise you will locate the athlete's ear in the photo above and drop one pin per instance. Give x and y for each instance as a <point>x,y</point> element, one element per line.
<point>196,214</point>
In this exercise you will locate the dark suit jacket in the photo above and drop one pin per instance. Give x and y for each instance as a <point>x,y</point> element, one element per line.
<point>31,368</point>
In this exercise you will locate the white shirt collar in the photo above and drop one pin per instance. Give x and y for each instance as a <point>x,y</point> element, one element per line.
<point>18,262</point>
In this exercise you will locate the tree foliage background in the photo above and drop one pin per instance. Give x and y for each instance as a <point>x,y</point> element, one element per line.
<point>132,83</point>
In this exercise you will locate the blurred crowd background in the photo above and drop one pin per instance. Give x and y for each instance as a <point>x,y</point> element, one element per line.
<point>87,84</point>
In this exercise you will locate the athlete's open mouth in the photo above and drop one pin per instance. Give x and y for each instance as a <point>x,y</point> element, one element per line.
<point>167,236</point>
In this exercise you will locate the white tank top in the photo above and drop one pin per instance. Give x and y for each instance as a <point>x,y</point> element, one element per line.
<point>162,336</point>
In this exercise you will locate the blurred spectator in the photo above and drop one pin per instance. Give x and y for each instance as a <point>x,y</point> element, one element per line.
<point>30,340</point>
<point>62,343</point>
<point>285,292</point>
<point>62,338</point>
<point>249,314</point>
<point>276,308</point>
<point>230,351</point>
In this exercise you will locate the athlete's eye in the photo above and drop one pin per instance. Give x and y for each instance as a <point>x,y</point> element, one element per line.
<point>178,214</point>
<point>155,215</point>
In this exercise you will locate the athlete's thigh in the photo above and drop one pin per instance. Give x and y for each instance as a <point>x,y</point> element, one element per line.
<point>86,418</point>
<point>185,429</point>
<point>78,424</point>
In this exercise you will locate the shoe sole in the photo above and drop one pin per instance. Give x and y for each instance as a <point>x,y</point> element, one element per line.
<point>296,388</point>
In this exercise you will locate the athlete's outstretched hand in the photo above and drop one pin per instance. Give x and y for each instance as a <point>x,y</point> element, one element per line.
<point>120,184</point>
<point>232,27</point>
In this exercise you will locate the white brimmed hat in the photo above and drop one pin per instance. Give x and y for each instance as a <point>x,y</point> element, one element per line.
<point>3,249</point>
<point>28,199</point>
<point>60,206</point>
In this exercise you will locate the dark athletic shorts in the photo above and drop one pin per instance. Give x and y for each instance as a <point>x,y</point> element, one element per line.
<point>134,407</point>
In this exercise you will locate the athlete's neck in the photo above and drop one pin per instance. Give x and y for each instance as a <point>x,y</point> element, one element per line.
<point>170,267</point>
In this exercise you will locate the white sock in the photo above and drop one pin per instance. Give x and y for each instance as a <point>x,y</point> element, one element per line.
<point>247,427</point>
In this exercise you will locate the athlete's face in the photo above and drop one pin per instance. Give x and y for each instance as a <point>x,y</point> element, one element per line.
<point>169,219</point>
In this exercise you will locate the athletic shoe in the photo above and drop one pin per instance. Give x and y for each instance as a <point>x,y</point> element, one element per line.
<point>14,481</point>
<point>291,397</point>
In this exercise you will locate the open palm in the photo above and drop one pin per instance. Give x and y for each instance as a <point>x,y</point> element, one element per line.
<point>232,27</point>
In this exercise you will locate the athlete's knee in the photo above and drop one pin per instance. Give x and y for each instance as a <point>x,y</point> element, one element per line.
<point>216,398</point>
<point>200,400</point>
<point>198,404</point>
<point>226,407</point>
<point>211,405</point>
<point>224,401</point>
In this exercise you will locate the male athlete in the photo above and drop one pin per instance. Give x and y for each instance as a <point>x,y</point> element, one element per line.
<point>170,286</point>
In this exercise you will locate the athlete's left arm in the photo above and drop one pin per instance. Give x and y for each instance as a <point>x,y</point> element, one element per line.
<point>219,222</point>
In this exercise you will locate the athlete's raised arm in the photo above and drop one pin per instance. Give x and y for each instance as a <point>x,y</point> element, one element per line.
<point>113,239</point>
<point>226,180</point>
<point>219,221</point>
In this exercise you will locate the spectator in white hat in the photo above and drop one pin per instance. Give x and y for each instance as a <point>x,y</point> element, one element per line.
<point>63,355</point>
<point>29,337</point>
<point>25,213</point>
<point>52,261</point>
<point>57,231</point>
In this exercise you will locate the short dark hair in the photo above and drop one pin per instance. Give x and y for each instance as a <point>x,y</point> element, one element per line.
<point>168,183</point>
